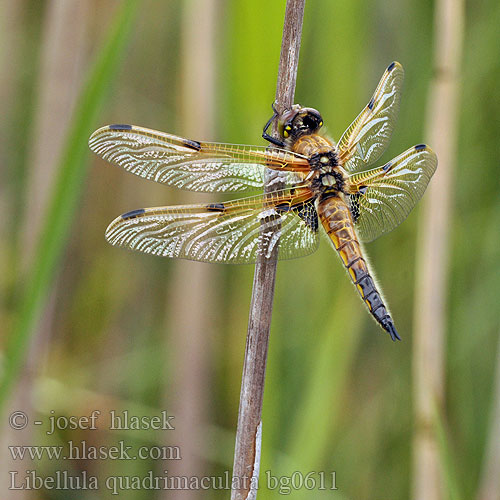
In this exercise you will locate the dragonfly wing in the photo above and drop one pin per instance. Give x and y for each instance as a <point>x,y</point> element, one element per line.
<point>381,198</point>
<point>369,134</point>
<point>192,165</point>
<point>232,232</point>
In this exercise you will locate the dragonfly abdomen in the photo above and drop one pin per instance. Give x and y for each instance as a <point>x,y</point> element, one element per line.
<point>338,224</point>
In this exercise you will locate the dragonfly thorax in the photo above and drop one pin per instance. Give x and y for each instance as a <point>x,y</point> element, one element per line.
<point>325,173</point>
<point>331,181</point>
<point>324,161</point>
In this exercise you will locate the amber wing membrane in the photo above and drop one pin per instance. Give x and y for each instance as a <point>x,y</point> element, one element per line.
<point>369,134</point>
<point>381,198</point>
<point>233,232</point>
<point>192,165</point>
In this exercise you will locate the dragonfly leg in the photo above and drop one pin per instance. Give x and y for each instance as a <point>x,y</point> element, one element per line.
<point>272,140</point>
<point>268,137</point>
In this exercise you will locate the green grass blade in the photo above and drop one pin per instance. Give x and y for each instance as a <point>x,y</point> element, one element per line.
<point>68,185</point>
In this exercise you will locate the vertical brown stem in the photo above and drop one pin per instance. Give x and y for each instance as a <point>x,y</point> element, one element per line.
<point>432,263</point>
<point>249,431</point>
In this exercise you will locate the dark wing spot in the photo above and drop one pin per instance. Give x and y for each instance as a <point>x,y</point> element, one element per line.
<point>283,207</point>
<point>371,103</point>
<point>387,167</point>
<point>216,207</point>
<point>307,212</point>
<point>419,147</point>
<point>192,144</point>
<point>354,203</point>
<point>120,127</point>
<point>391,66</point>
<point>132,214</point>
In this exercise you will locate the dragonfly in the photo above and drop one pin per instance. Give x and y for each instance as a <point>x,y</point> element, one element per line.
<point>318,186</point>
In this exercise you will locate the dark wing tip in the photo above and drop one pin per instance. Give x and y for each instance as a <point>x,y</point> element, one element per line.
<point>192,144</point>
<point>420,147</point>
<point>391,66</point>
<point>216,207</point>
<point>119,126</point>
<point>133,213</point>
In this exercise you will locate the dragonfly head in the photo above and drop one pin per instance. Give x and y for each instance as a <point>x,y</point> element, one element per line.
<point>299,121</point>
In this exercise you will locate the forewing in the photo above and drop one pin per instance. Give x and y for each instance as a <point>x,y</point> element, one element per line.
<point>369,134</point>
<point>383,197</point>
<point>192,165</point>
<point>234,232</point>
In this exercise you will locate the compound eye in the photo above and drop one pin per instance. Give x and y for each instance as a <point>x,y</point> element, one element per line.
<point>311,121</point>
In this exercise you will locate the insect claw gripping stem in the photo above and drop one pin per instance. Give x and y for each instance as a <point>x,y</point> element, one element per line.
<point>268,137</point>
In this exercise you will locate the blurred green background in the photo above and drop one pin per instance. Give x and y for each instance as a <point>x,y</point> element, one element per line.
<point>86,326</point>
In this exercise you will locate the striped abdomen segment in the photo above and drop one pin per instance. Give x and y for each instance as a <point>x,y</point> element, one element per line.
<point>337,221</point>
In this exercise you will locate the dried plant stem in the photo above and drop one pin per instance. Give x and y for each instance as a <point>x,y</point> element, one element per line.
<point>432,263</point>
<point>190,301</point>
<point>63,47</point>
<point>249,431</point>
<point>489,485</point>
